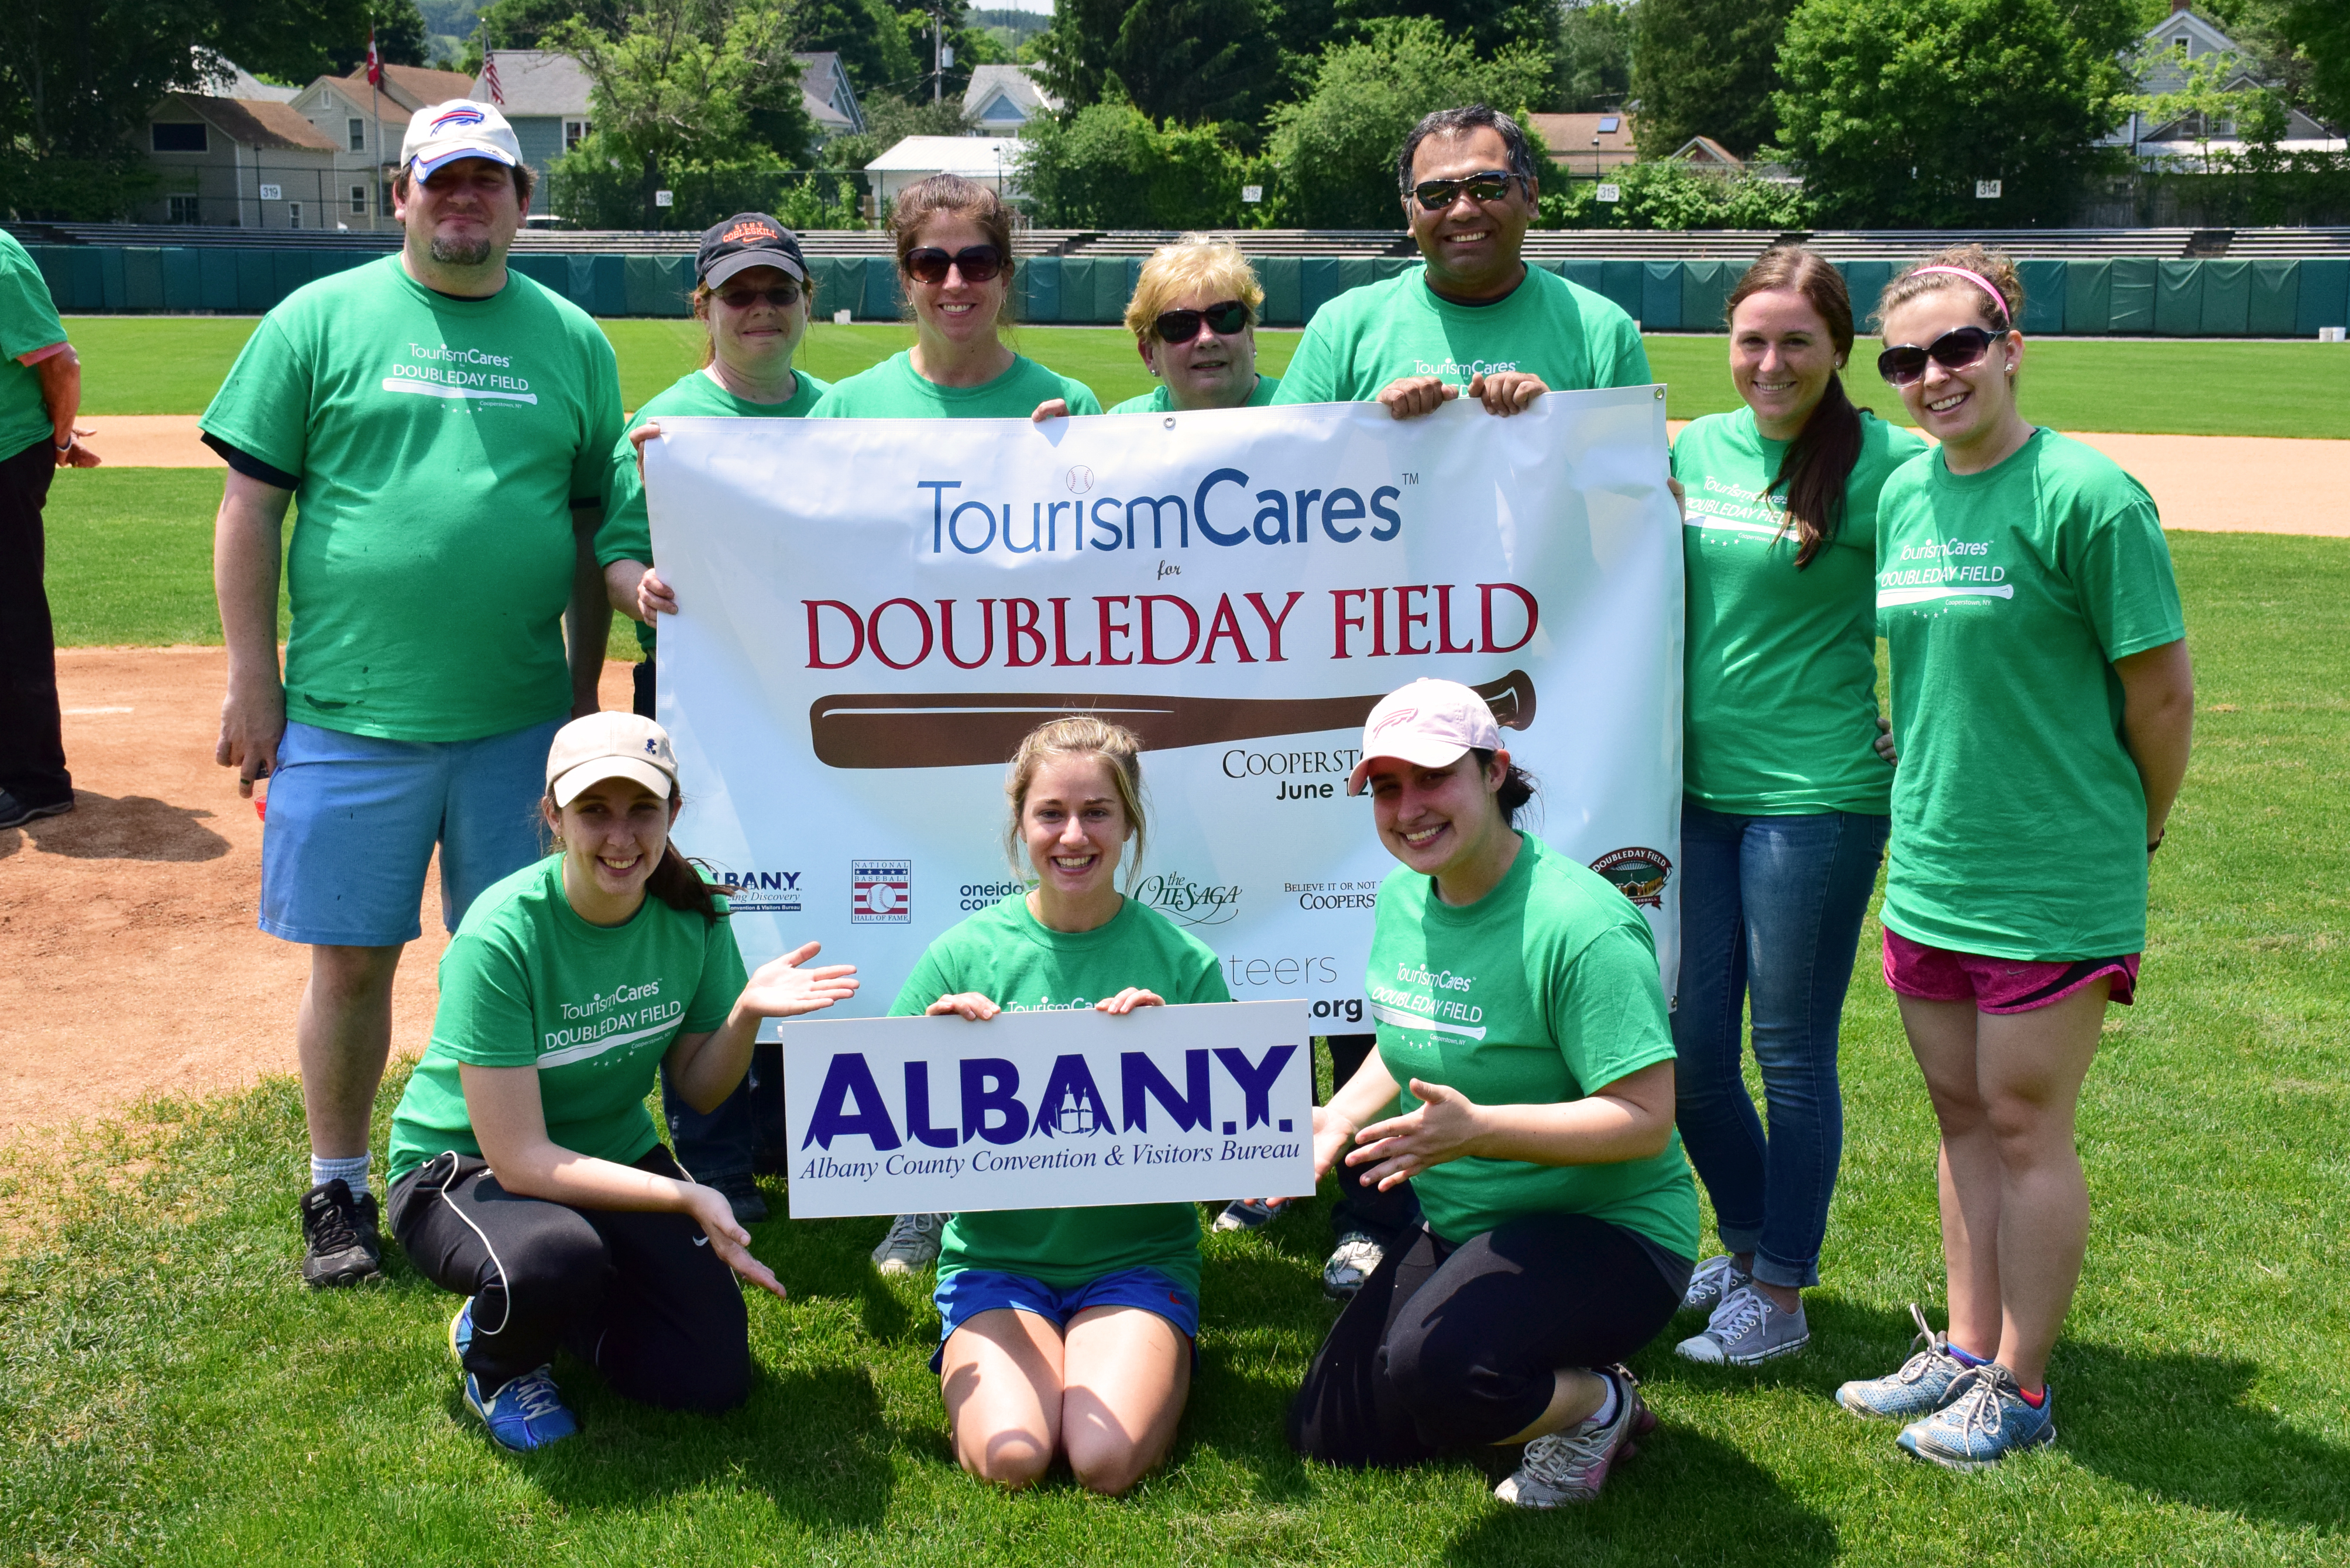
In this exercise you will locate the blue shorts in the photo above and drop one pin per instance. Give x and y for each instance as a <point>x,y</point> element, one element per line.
<point>967,1292</point>
<point>352,820</point>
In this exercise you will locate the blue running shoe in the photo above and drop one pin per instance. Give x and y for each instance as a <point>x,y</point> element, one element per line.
<point>527,1413</point>
<point>1988,1421</point>
<point>1922,1385</point>
<point>461,1332</point>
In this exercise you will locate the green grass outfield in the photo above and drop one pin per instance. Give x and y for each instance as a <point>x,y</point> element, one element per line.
<point>172,365</point>
<point>172,1395</point>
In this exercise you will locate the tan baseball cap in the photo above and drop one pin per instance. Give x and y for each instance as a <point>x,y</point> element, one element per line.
<point>1429,725</point>
<point>609,746</point>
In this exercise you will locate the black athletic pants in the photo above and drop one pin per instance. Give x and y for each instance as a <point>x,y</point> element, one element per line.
<point>1388,1218</point>
<point>639,1296</point>
<point>1451,1348</point>
<point>32,742</point>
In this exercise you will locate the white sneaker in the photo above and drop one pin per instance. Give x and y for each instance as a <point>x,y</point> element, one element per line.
<point>1573,1465</point>
<point>911,1245</point>
<point>1746,1330</point>
<point>1354,1260</point>
<point>1712,1285</point>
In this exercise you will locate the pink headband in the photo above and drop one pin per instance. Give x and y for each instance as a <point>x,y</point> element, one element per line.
<point>1979,281</point>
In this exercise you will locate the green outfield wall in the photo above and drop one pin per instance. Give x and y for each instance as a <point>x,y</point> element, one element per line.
<point>2135,295</point>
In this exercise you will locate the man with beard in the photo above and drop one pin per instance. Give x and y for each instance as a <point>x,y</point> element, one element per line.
<point>446,426</point>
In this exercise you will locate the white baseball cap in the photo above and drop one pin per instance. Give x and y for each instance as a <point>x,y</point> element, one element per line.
<point>609,746</point>
<point>1429,725</point>
<point>443,132</point>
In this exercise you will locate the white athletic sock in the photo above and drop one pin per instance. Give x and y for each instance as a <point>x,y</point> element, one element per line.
<point>352,1171</point>
<point>1609,1406</point>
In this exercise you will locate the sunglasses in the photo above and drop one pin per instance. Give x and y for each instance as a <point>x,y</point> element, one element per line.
<point>978,264</point>
<point>1435,195</point>
<point>1223,318</point>
<point>783,297</point>
<point>1904,364</point>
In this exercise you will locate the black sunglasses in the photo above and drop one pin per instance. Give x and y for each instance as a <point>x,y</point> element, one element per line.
<point>1223,318</point>
<point>783,297</point>
<point>1491,185</point>
<point>1904,364</point>
<point>978,264</point>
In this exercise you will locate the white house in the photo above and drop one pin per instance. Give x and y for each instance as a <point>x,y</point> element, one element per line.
<point>2183,34</point>
<point>363,125</point>
<point>1002,99</point>
<point>233,163</point>
<point>990,160</point>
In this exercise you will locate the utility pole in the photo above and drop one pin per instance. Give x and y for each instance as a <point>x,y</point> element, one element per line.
<point>938,57</point>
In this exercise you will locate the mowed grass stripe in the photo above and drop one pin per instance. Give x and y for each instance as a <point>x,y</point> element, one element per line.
<point>172,365</point>
<point>174,1396</point>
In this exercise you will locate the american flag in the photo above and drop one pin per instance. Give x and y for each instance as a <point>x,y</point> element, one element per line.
<point>490,79</point>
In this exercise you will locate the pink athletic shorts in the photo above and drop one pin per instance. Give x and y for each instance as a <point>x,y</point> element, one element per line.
<point>1998,984</point>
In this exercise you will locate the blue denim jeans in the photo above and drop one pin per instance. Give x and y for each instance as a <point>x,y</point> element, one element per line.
<point>1771,912</point>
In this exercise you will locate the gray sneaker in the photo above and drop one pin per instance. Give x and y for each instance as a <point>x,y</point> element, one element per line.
<point>1747,1329</point>
<point>1921,1385</point>
<point>1573,1465</point>
<point>1354,1260</point>
<point>1714,1279</point>
<point>911,1245</point>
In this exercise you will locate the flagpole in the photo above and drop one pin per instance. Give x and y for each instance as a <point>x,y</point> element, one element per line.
<point>375,117</point>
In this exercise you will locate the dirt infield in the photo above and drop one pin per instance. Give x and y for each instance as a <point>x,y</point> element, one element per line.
<point>133,965</point>
<point>2198,481</point>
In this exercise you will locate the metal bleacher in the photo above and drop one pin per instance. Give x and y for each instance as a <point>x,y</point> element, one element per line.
<point>2083,244</point>
<point>1342,243</point>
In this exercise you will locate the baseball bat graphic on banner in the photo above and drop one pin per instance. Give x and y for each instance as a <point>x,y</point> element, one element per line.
<point>967,729</point>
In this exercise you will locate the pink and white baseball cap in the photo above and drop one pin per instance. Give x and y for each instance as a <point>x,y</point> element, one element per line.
<point>443,132</point>
<point>1429,725</point>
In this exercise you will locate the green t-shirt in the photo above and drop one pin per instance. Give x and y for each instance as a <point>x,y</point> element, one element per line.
<point>1780,704</point>
<point>28,320</point>
<point>526,982</point>
<point>627,534</point>
<point>1156,401</point>
<point>1539,993</point>
<point>1006,956</point>
<point>439,446</point>
<point>2018,819</point>
<point>1571,338</point>
<point>893,390</point>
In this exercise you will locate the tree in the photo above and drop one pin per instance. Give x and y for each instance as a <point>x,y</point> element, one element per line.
<point>1667,193</point>
<point>1702,68</point>
<point>1336,149</point>
<point>2320,33</point>
<point>399,39</point>
<point>2201,99</point>
<point>1110,167</point>
<point>867,36</point>
<point>1594,55</point>
<point>889,120</point>
<point>1895,109</point>
<point>707,83</point>
<point>1188,60</point>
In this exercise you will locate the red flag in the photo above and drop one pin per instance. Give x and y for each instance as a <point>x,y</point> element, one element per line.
<point>490,79</point>
<point>375,61</point>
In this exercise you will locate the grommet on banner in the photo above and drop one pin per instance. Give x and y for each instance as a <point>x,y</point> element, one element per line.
<point>1169,422</point>
<point>1660,394</point>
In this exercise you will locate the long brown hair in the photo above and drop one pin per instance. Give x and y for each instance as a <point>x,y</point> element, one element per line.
<point>674,880</point>
<point>1819,461</point>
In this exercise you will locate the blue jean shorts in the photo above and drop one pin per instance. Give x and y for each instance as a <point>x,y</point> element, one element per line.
<point>965,1294</point>
<point>352,820</point>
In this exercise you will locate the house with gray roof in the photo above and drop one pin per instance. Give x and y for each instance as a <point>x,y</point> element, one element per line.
<point>1002,99</point>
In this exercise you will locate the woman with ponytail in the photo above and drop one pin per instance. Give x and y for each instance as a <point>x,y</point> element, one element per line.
<point>526,1174</point>
<point>1785,795</point>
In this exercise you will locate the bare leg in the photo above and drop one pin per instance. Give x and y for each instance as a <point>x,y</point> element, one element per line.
<point>1001,1379</point>
<point>1577,1394</point>
<point>343,1035</point>
<point>1128,1373</point>
<point>2032,1065</point>
<point>1942,1038</point>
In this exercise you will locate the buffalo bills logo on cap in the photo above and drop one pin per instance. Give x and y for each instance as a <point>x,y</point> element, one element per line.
<point>463,114</point>
<point>1400,716</point>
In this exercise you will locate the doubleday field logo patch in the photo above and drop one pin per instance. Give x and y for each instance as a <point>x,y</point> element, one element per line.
<point>1639,874</point>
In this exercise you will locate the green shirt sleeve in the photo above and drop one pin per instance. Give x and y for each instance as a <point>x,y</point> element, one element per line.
<point>722,980</point>
<point>1619,358</point>
<point>1607,1008</point>
<point>627,532</point>
<point>591,475</point>
<point>1309,379</point>
<point>932,978</point>
<point>1080,397</point>
<point>485,1014</point>
<point>2125,580</point>
<point>28,317</point>
<point>263,406</point>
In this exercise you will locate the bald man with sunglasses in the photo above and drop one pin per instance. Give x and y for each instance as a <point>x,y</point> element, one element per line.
<point>1474,319</point>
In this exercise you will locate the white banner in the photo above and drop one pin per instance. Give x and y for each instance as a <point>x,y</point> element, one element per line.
<point>1069,1108</point>
<point>873,612</point>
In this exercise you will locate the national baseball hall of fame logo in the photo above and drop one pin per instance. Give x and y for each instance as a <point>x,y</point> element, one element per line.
<point>880,892</point>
